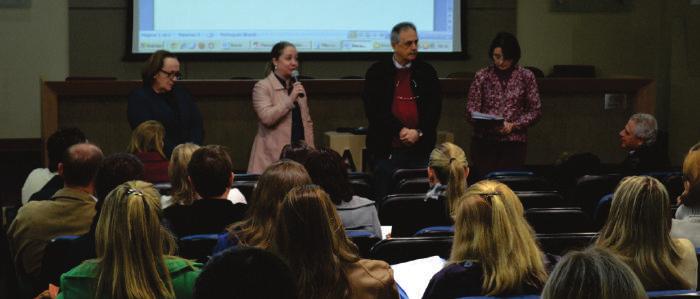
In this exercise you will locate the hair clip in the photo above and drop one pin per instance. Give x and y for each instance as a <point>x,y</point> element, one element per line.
<point>133,191</point>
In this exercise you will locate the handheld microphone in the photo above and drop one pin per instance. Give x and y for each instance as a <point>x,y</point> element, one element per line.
<point>295,78</point>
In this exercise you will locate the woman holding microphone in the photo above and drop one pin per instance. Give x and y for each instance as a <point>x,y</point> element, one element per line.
<point>281,105</point>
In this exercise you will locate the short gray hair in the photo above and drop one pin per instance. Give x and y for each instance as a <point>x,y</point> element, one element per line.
<point>645,127</point>
<point>398,28</point>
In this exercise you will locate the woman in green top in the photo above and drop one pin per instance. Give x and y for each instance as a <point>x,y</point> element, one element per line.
<point>133,252</point>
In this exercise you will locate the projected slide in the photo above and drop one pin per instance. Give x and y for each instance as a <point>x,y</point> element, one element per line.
<point>249,26</point>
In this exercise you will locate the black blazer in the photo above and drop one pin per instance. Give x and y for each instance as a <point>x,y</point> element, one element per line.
<point>378,97</point>
<point>204,216</point>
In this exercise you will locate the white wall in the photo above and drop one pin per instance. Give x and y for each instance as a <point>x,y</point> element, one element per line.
<point>33,45</point>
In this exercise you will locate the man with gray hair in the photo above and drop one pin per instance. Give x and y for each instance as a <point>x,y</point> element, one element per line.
<point>402,102</point>
<point>639,138</point>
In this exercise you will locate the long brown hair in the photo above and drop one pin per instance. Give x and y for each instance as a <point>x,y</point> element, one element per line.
<point>638,232</point>
<point>131,243</point>
<point>274,183</point>
<point>311,239</point>
<point>490,228</point>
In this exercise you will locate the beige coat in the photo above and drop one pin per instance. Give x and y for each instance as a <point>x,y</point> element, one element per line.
<point>371,279</point>
<point>273,107</point>
<point>69,213</point>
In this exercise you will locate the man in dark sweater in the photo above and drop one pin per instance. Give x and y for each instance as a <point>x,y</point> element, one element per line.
<point>210,171</point>
<point>402,102</point>
<point>645,152</point>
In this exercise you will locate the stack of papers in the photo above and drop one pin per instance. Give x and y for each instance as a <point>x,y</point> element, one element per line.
<point>414,276</point>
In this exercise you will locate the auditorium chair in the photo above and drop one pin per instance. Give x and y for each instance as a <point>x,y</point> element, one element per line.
<point>409,173</point>
<point>590,188</point>
<point>541,199</point>
<point>412,185</point>
<point>364,241</point>
<point>602,210</point>
<point>435,231</point>
<point>495,174</point>
<point>197,247</point>
<point>399,250</point>
<point>408,213</point>
<point>558,220</point>
<point>246,188</point>
<point>163,188</point>
<point>362,188</point>
<point>560,244</point>
<point>57,259</point>
<point>246,177</point>
<point>525,183</point>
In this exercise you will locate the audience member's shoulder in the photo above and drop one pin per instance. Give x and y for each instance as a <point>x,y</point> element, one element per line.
<point>378,270</point>
<point>685,246</point>
<point>177,264</point>
<point>355,202</point>
<point>87,269</point>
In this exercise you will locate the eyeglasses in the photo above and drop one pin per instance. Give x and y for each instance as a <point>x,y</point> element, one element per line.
<point>172,75</point>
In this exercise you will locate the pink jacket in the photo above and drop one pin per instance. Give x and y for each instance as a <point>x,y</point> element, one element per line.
<point>273,107</point>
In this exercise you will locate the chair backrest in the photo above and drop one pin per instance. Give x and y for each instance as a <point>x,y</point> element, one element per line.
<point>525,183</point>
<point>412,185</point>
<point>399,250</point>
<point>246,188</point>
<point>56,259</point>
<point>364,240</point>
<point>541,199</point>
<point>602,210</point>
<point>246,177</point>
<point>362,187</point>
<point>409,173</point>
<point>163,188</point>
<point>495,174</point>
<point>558,220</point>
<point>560,244</point>
<point>408,213</point>
<point>197,247</point>
<point>590,188</point>
<point>435,231</point>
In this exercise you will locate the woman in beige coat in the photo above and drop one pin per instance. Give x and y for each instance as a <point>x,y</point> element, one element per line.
<point>282,108</point>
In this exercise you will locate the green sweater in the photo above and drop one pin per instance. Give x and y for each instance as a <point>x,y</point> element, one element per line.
<point>80,281</point>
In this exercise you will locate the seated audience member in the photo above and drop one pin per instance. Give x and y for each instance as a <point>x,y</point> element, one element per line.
<point>328,170</point>
<point>245,273</point>
<point>69,212</point>
<point>115,170</point>
<point>448,170</point>
<point>257,228</point>
<point>147,144</point>
<point>494,252</point>
<point>42,183</point>
<point>637,231</point>
<point>211,173</point>
<point>298,151</point>
<point>134,252</point>
<point>310,238</point>
<point>687,219</point>
<point>638,137</point>
<point>593,273</point>
<point>181,191</point>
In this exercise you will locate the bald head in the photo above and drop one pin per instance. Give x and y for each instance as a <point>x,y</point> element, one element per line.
<point>80,164</point>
